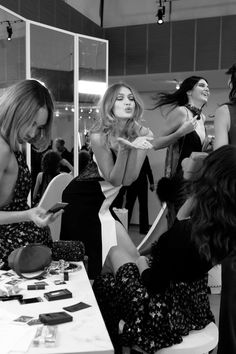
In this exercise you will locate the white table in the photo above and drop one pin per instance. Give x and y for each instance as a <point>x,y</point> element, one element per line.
<point>87,332</point>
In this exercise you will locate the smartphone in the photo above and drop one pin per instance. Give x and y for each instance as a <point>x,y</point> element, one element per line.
<point>56,207</point>
<point>30,300</point>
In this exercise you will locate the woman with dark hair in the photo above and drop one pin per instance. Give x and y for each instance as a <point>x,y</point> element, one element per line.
<point>25,117</point>
<point>50,168</point>
<point>163,297</point>
<point>178,107</point>
<point>225,133</point>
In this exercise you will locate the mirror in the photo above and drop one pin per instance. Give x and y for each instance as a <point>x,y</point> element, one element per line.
<point>92,83</point>
<point>52,62</point>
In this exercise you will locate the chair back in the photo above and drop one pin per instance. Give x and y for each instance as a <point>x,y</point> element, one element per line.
<point>52,195</point>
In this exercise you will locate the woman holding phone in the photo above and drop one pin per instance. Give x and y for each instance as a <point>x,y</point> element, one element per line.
<point>25,117</point>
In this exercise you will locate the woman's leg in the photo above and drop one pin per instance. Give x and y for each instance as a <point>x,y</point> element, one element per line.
<point>117,256</point>
<point>124,241</point>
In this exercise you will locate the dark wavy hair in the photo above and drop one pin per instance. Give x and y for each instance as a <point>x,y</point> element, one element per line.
<point>214,212</point>
<point>178,97</point>
<point>232,72</point>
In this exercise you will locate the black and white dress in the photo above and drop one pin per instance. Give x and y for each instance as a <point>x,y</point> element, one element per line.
<point>16,235</point>
<point>88,216</point>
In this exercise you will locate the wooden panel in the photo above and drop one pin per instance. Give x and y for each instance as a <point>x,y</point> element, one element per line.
<point>116,38</point>
<point>62,15</point>
<point>182,46</point>
<point>29,9</point>
<point>158,48</point>
<point>228,45</point>
<point>207,43</point>
<point>48,12</point>
<point>136,47</point>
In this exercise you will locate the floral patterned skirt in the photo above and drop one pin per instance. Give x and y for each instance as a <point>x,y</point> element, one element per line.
<point>152,321</point>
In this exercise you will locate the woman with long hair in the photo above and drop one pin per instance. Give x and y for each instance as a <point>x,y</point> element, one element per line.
<point>162,297</point>
<point>88,216</point>
<point>178,107</point>
<point>225,133</point>
<point>25,117</point>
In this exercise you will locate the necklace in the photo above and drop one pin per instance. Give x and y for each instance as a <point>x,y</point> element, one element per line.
<point>196,111</point>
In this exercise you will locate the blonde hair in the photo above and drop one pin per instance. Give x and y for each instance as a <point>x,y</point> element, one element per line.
<point>18,106</point>
<point>108,123</point>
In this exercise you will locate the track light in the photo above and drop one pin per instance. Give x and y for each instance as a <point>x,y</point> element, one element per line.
<point>9,31</point>
<point>159,17</point>
<point>160,13</point>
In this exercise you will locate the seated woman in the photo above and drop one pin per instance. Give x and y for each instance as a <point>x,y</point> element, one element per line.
<point>50,169</point>
<point>162,298</point>
<point>25,117</point>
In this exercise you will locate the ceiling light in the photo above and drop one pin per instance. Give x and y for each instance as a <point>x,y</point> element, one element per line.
<point>9,31</point>
<point>160,16</point>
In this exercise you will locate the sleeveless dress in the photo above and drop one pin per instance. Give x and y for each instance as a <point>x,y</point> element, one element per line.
<point>88,217</point>
<point>191,142</point>
<point>16,235</point>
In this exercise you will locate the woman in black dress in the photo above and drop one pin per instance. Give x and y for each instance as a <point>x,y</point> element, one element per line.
<point>162,298</point>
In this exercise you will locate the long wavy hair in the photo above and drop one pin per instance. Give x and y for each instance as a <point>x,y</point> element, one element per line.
<point>178,97</point>
<point>214,212</point>
<point>108,123</point>
<point>232,72</point>
<point>19,105</point>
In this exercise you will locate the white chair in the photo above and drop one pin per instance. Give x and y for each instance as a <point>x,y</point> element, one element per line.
<point>52,195</point>
<point>196,342</point>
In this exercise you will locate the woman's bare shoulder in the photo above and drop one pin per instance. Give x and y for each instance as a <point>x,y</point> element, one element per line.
<point>4,148</point>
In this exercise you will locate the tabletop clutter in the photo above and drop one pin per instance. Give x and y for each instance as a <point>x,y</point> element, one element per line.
<point>15,287</point>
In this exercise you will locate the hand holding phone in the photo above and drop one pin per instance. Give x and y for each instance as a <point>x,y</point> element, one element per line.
<point>56,207</point>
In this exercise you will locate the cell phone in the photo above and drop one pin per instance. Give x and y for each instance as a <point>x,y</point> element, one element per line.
<point>30,300</point>
<point>56,207</point>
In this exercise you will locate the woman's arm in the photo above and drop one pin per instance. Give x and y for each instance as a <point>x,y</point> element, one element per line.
<point>135,160</point>
<point>221,126</point>
<point>37,184</point>
<point>163,141</point>
<point>66,163</point>
<point>174,119</point>
<point>112,172</point>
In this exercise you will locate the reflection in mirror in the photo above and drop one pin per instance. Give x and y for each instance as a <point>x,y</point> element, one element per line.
<point>92,83</point>
<point>52,62</point>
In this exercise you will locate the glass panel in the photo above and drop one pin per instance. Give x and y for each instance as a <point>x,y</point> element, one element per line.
<point>52,62</point>
<point>12,49</point>
<point>92,82</point>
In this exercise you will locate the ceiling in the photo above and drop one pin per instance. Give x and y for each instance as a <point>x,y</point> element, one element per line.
<point>134,12</point>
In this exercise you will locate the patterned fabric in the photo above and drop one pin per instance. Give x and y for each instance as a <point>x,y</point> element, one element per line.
<point>151,321</point>
<point>16,235</point>
<point>68,251</point>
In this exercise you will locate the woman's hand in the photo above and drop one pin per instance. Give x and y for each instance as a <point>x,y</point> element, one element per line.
<point>42,218</point>
<point>142,263</point>
<point>141,142</point>
<point>188,126</point>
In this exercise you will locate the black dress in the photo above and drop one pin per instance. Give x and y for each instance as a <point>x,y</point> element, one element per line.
<point>165,303</point>
<point>16,235</point>
<point>88,217</point>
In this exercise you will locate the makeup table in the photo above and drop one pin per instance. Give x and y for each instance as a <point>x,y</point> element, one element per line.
<point>87,332</point>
